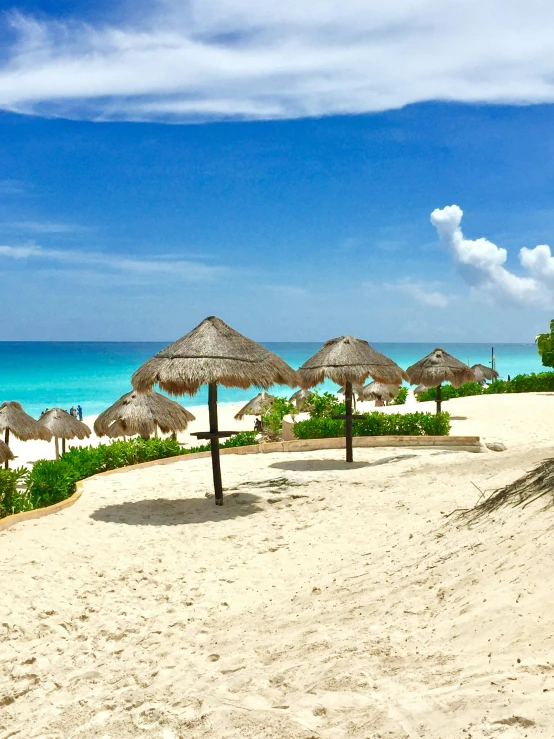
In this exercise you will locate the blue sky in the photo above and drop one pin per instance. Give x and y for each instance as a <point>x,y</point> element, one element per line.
<point>136,198</point>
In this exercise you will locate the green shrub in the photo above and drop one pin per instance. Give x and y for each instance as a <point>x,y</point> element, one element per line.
<point>401,397</point>
<point>545,346</point>
<point>244,438</point>
<point>376,424</point>
<point>323,405</point>
<point>12,498</point>
<point>272,419</point>
<point>532,383</point>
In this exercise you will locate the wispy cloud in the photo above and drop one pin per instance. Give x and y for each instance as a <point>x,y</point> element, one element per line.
<point>151,268</point>
<point>42,227</point>
<point>11,187</point>
<point>207,59</point>
<point>424,293</point>
<point>481,263</point>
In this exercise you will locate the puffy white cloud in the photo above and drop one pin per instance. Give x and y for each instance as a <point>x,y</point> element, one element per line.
<point>179,61</point>
<point>481,263</point>
<point>421,292</point>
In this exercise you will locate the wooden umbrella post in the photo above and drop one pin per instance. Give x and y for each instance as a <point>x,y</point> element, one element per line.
<point>7,440</point>
<point>57,447</point>
<point>216,467</point>
<point>63,445</point>
<point>439,398</point>
<point>348,403</point>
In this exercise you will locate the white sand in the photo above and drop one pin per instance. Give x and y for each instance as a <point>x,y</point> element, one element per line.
<point>345,605</point>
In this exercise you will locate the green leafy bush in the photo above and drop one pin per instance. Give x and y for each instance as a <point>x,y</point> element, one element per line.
<point>244,438</point>
<point>12,498</point>
<point>532,383</point>
<point>376,424</point>
<point>272,419</point>
<point>401,397</point>
<point>323,405</point>
<point>545,346</point>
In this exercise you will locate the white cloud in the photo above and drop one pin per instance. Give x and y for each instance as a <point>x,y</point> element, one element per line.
<point>42,227</point>
<point>220,59</point>
<point>150,268</point>
<point>421,292</point>
<point>481,263</point>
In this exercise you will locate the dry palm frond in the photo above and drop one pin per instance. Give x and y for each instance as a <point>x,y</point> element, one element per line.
<point>481,372</point>
<point>14,419</point>
<point>6,453</point>
<point>141,413</point>
<point>535,484</point>
<point>347,359</point>
<point>63,425</point>
<point>213,352</point>
<point>257,406</point>
<point>438,367</point>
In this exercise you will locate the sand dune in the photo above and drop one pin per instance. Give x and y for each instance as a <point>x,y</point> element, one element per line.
<point>320,601</point>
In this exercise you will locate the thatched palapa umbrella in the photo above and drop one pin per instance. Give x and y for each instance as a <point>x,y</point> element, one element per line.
<point>438,367</point>
<point>378,391</point>
<point>301,399</point>
<point>349,361</point>
<point>63,426</point>
<point>257,406</point>
<point>6,453</point>
<point>142,413</point>
<point>213,354</point>
<point>13,419</point>
<point>420,389</point>
<point>482,373</point>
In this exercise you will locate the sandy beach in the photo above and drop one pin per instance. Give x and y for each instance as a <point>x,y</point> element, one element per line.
<point>321,600</point>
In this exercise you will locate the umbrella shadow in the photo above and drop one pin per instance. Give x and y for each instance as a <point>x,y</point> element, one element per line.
<point>175,512</point>
<point>308,465</point>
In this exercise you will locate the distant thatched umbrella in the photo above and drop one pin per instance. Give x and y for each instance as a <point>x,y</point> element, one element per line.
<point>301,399</point>
<point>63,426</point>
<point>420,389</point>
<point>378,391</point>
<point>438,367</point>
<point>213,353</point>
<point>349,361</point>
<point>482,373</point>
<point>142,413</point>
<point>14,419</point>
<point>5,453</point>
<point>257,406</point>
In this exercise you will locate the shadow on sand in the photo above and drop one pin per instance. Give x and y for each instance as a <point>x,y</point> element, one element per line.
<point>300,465</point>
<point>167,512</point>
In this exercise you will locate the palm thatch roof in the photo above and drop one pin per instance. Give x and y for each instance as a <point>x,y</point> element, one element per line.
<point>301,399</point>
<point>213,352</point>
<point>256,406</point>
<point>14,419</point>
<point>482,372</point>
<point>420,389</point>
<point>356,389</point>
<point>378,391</point>
<point>142,413</point>
<point>347,359</point>
<point>63,425</point>
<point>6,453</point>
<point>438,367</point>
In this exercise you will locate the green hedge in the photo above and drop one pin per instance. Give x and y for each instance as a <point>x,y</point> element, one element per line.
<point>49,482</point>
<point>533,383</point>
<point>376,424</point>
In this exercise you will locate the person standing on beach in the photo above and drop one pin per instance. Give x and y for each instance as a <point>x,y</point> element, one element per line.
<point>73,411</point>
<point>79,413</point>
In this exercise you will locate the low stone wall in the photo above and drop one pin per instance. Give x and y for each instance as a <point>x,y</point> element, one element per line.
<point>455,443</point>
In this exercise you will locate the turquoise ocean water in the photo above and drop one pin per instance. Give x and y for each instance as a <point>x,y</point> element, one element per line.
<point>48,374</point>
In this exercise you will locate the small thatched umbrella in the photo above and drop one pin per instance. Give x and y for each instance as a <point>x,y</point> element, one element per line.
<point>13,419</point>
<point>482,373</point>
<point>420,389</point>
<point>378,391</point>
<point>213,353</point>
<point>349,361</point>
<point>142,413</point>
<point>301,399</point>
<point>63,426</point>
<point>257,406</point>
<point>438,367</point>
<point>5,453</point>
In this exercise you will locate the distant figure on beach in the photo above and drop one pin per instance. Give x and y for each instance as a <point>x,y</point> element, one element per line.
<point>79,413</point>
<point>258,426</point>
<point>508,378</point>
<point>73,411</point>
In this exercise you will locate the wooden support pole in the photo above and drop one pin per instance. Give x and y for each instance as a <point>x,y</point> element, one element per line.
<point>57,447</point>
<point>63,446</point>
<point>439,398</point>
<point>7,440</point>
<point>348,403</point>
<point>216,467</point>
